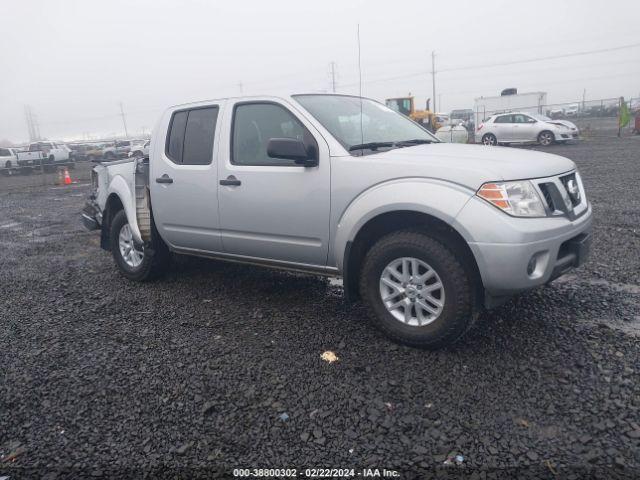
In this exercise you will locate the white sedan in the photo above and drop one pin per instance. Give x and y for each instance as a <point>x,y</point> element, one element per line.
<point>520,127</point>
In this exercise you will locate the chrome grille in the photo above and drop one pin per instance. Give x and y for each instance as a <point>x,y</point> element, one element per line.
<point>544,188</point>
<point>570,184</point>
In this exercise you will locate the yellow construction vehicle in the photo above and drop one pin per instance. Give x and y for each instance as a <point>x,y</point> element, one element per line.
<point>406,106</point>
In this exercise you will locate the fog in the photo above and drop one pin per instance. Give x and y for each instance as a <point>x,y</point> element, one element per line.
<point>74,62</point>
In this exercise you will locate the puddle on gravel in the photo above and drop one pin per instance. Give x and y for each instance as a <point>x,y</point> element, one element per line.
<point>10,225</point>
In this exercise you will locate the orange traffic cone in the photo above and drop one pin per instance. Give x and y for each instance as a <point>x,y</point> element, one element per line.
<point>67,178</point>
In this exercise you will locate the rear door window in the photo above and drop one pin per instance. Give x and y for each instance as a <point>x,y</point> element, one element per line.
<point>504,119</point>
<point>198,136</point>
<point>190,137</point>
<point>176,136</point>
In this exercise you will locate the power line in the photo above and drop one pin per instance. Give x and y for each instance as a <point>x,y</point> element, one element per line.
<point>530,60</point>
<point>539,59</point>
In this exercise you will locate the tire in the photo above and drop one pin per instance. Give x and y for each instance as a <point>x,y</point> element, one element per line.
<point>154,257</point>
<point>7,164</point>
<point>52,159</point>
<point>456,314</point>
<point>489,139</point>
<point>546,138</point>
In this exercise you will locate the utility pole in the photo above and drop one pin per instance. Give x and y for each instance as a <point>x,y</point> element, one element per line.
<point>433,78</point>
<point>27,116</point>
<point>584,97</point>
<point>32,124</point>
<point>333,77</point>
<point>124,120</point>
<point>241,89</point>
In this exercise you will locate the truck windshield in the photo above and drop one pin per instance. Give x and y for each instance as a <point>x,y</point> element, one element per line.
<point>378,127</point>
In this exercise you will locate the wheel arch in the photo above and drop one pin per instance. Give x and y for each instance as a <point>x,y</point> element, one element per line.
<point>112,206</point>
<point>388,222</point>
<point>428,205</point>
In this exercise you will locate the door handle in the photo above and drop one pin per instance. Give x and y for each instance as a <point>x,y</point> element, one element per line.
<point>230,181</point>
<point>164,179</point>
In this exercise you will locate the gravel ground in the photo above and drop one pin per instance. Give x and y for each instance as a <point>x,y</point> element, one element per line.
<point>217,366</point>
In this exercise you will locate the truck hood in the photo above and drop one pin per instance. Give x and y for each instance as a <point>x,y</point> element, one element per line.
<point>470,165</point>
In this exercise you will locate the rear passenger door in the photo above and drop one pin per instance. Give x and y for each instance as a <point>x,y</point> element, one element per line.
<point>183,179</point>
<point>503,128</point>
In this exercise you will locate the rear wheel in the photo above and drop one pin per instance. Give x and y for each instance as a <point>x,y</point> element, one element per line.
<point>417,290</point>
<point>136,262</point>
<point>7,164</point>
<point>546,138</point>
<point>489,139</point>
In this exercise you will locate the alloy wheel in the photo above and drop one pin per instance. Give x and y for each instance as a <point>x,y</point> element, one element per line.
<point>412,291</point>
<point>131,255</point>
<point>546,139</point>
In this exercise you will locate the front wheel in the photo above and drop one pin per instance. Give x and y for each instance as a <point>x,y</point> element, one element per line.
<point>489,139</point>
<point>136,262</point>
<point>417,290</point>
<point>546,138</point>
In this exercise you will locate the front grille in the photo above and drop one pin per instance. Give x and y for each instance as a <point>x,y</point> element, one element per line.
<point>571,186</point>
<point>544,188</point>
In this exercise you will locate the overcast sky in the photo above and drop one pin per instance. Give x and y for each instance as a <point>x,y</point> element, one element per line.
<point>73,62</point>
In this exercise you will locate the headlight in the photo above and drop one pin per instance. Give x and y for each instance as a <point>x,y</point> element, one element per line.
<point>518,198</point>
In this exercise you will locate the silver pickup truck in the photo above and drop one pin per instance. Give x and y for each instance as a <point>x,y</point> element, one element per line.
<point>425,233</point>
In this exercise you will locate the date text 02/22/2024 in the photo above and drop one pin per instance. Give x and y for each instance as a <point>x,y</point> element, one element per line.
<point>315,473</point>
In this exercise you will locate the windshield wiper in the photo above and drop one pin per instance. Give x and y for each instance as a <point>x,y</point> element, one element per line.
<point>370,146</point>
<point>415,141</point>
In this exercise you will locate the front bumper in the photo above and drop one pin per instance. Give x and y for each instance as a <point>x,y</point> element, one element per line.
<point>517,254</point>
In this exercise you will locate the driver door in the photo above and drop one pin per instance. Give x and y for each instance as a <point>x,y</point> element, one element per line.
<point>272,209</point>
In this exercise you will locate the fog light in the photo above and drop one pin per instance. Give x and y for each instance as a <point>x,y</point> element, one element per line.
<point>531,267</point>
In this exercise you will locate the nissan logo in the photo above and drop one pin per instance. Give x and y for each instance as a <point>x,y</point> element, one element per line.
<point>572,188</point>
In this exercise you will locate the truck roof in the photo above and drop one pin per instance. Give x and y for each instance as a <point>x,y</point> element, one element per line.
<point>260,97</point>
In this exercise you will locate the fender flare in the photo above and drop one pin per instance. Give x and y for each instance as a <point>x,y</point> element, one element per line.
<point>121,188</point>
<point>437,198</point>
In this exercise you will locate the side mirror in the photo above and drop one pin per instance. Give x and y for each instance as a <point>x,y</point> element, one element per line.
<point>291,149</point>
